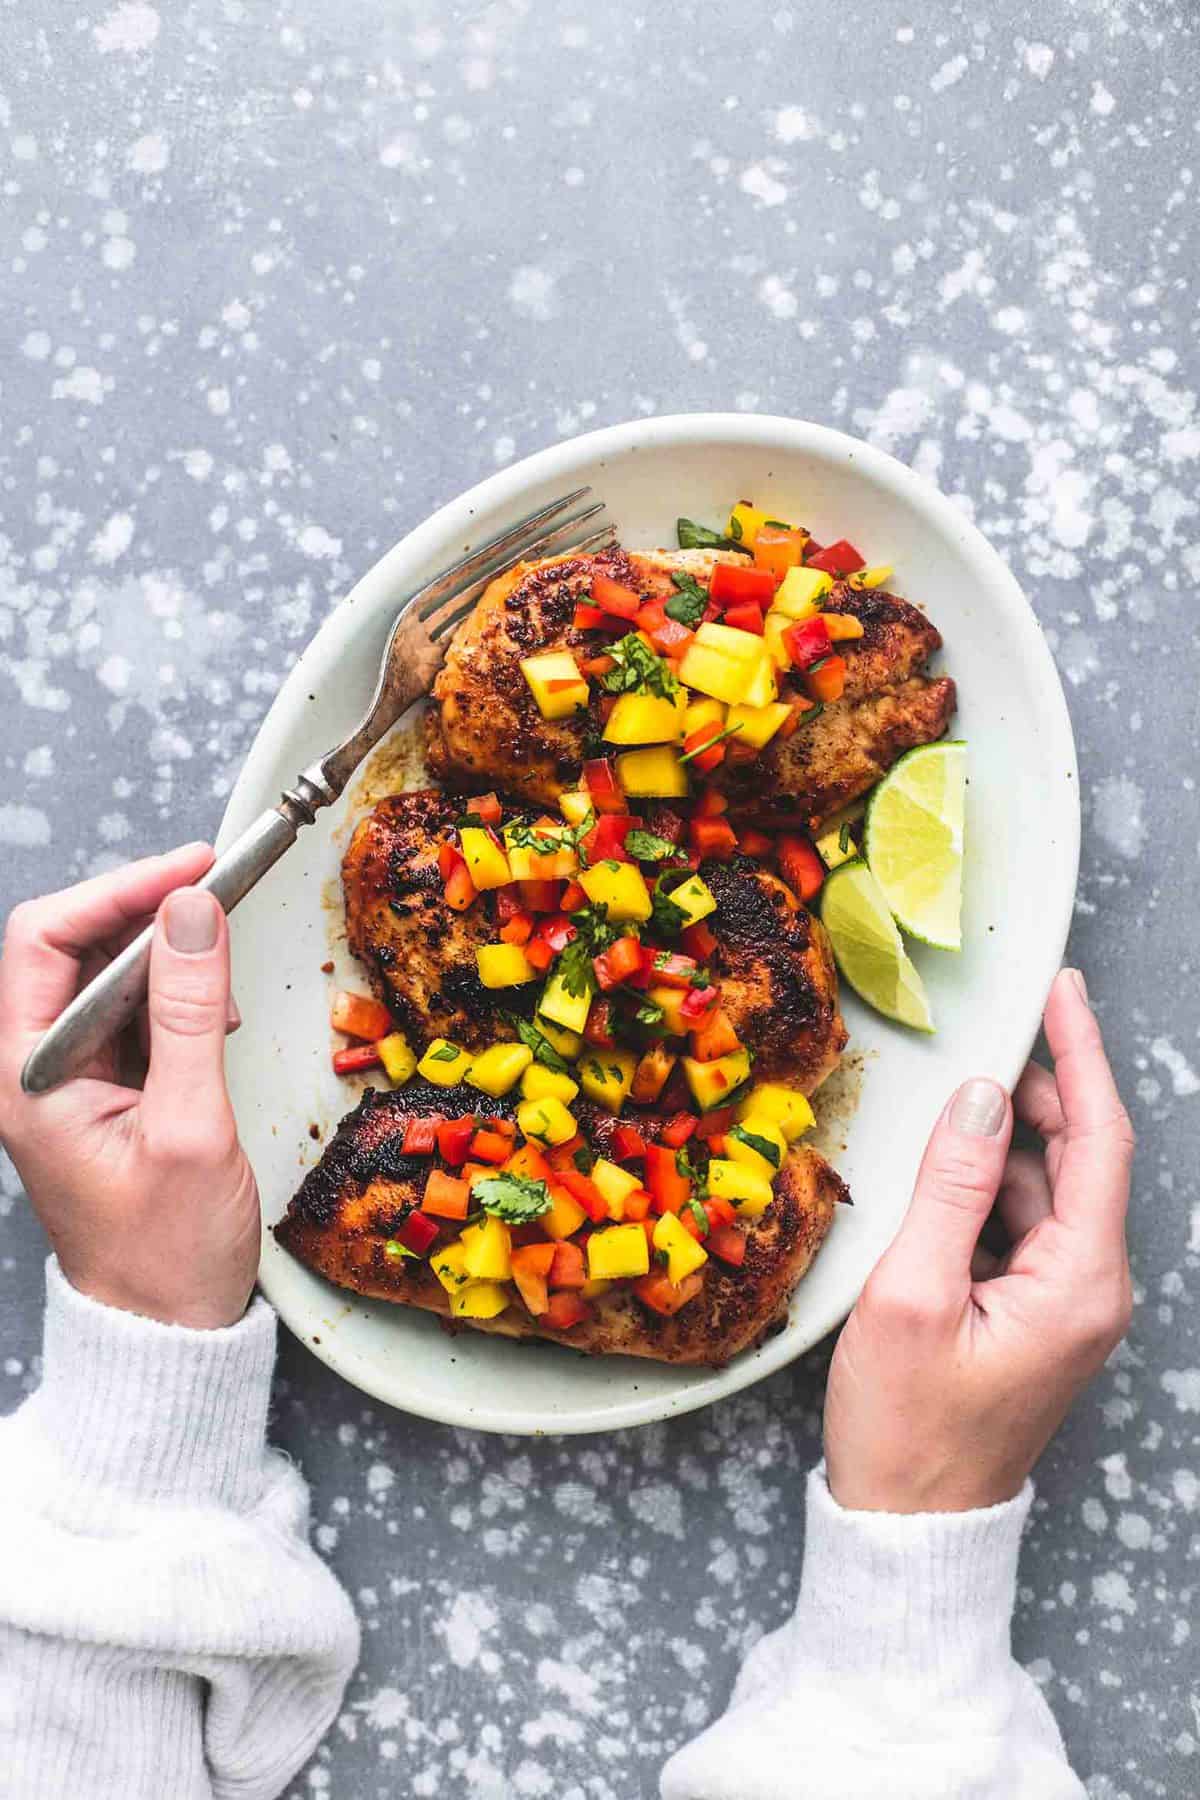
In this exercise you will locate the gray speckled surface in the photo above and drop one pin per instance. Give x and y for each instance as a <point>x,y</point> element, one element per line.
<point>277,279</point>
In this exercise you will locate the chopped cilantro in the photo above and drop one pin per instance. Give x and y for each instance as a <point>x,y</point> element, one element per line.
<point>639,670</point>
<point>447,1053</point>
<point>698,537</point>
<point>593,934</point>
<point>649,1013</point>
<point>583,1158</point>
<point>766,1149</point>
<point>698,1213</point>
<point>543,1050</point>
<point>522,836</point>
<point>647,846</point>
<point>844,837</point>
<point>667,919</point>
<point>514,1198</point>
<point>718,738</point>
<point>688,606</point>
<point>814,712</point>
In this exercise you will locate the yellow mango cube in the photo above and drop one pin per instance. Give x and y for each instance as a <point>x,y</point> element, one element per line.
<point>486,862</point>
<point>565,1215</point>
<point>696,899</point>
<point>783,1106</point>
<point>546,1121</point>
<point>711,672</point>
<point>671,1001</point>
<point>497,1070</point>
<point>615,1184</point>
<point>566,1042</point>
<point>575,805</point>
<point>558,1007</point>
<point>592,1290</point>
<point>480,1300</point>
<point>765,1155</point>
<point>653,774</point>
<point>556,683</point>
<point>740,646</point>
<point>799,591</point>
<point>397,1058</point>
<point>684,1253</point>
<point>757,725</point>
<point>713,1082</point>
<point>761,689</point>
<point>606,1077</point>
<point>747,1189</point>
<point>872,578</point>
<point>487,1248</point>
<point>619,886</point>
<point>745,523</point>
<point>646,719</point>
<point>444,1063</point>
<point>618,1252</point>
<point>540,1083</point>
<point>774,626</point>
<point>548,859</point>
<point>449,1265</point>
<point>503,965</point>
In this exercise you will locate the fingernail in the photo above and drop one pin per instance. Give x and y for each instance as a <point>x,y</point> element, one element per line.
<point>190,919</point>
<point>979,1108</point>
<point>1076,976</point>
<point>233,1014</point>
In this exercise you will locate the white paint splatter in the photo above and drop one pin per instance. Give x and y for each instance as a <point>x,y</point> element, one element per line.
<point>84,384</point>
<point>149,155</point>
<point>23,827</point>
<point>1102,102</point>
<point>129,28</point>
<point>1039,60</point>
<point>762,186</point>
<point>1183,1385</point>
<point>113,539</point>
<point>949,73</point>
<point>465,1626</point>
<point>533,293</point>
<point>1184,1079</point>
<point>792,125</point>
<point>1112,1590</point>
<point>1117,814</point>
<point>316,542</point>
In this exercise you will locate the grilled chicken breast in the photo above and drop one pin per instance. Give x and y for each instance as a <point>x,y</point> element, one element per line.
<point>777,975</point>
<point>485,729</point>
<point>355,1198</point>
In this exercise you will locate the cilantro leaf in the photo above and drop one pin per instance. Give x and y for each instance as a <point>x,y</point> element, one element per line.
<point>698,1213</point>
<point>698,537</point>
<point>593,934</point>
<point>543,1050</point>
<point>447,1053</point>
<point>647,846</point>
<point>514,1198</point>
<point>764,1146</point>
<point>639,670</point>
<point>522,836</point>
<point>666,918</point>
<point>718,737</point>
<point>690,604</point>
<point>649,1013</point>
<point>844,837</point>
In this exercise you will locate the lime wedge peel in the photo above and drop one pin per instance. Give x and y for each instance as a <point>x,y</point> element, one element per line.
<point>868,947</point>
<point>913,841</point>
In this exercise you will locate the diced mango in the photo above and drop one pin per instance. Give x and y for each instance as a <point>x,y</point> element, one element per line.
<point>799,591</point>
<point>652,1074</point>
<point>762,688</point>
<point>653,774</point>
<point>757,725</point>
<point>546,1121</point>
<point>774,626</point>
<point>742,646</point>
<point>556,683</point>
<point>766,1162</point>
<point>575,805</point>
<point>619,886</point>
<point>487,1247</point>
<point>449,1265</point>
<point>872,578</point>
<point>615,1183</point>
<point>444,1063</point>
<point>712,672</point>
<point>671,1001</point>
<point>702,712</point>
<point>497,1070</point>
<point>397,1058</point>
<point>618,1252</point>
<point>565,1042</point>
<point>843,628</point>
<point>712,1083</point>
<point>745,523</point>
<point>646,719</point>
<point>565,1215</point>
<point>784,1106</point>
<point>503,965</point>
<point>696,899</point>
<point>486,862</point>
<point>606,1077</point>
<point>552,860</point>
<point>744,1188</point>
<point>829,848</point>
<point>592,1290</point>
<point>540,1083</point>
<point>480,1300</point>
<point>559,1007</point>
<point>684,1253</point>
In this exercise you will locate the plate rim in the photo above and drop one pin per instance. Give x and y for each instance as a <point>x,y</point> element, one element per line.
<point>454,519</point>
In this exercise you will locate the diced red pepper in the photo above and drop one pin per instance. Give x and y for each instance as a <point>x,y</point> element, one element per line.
<point>539,955</point>
<point>573,897</point>
<point>807,641</point>
<point>446,1197</point>
<point>699,940</point>
<point>606,840</point>
<point>519,929</point>
<point>627,1143</point>
<point>530,1268</point>
<point>735,582</point>
<point>614,597</point>
<point>704,760</point>
<point>541,896</point>
<point>355,1060</point>
<point>486,807</point>
<point>715,1124</point>
<point>600,780</point>
<point>755,843</point>
<point>449,857</point>
<point>588,618</point>
<point>714,1037</point>
<point>616,964</point>
<point>651,616</point>
<point>597,665</point>
<point>672,637</point>
<point>598,1030</point>
<point>508,902</point>
<point>728,1243</point>
<point>567,1269</point>
<point>668,1189</point>
<point>565,1311</point>
<point>827,681</point>
<point>712,837</point>
<point>692,1225</point>
<point>420,1136</point>
<point>839,559</point>
<point>699,1003</point>
<point>454,1140</point>
<point>636,1206</point>
<point>461,891</point>
<point>801,867</point>
<point>745,617</point>
<point>358,1015</point>
<point>719,1212</point>
<point>709,804</point>
<point>800,705</point>
<point>418,1233</point>
<point>556,931</point>
<point>490,1147</point>
<point>607,707</point>
<point>584,1189</point>
<point>667,969</point>
<point>677,1130</point>
<point>665,1296</point>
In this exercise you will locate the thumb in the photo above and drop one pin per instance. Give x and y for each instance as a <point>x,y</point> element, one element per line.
<point>959,1179</point>
<point>188,1003</point>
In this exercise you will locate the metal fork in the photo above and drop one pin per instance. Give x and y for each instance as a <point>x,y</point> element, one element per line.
<point>414,654</point>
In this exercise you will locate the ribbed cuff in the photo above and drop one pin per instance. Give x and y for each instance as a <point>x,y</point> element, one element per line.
<point>929,1595</point>
<point>133,1409</point>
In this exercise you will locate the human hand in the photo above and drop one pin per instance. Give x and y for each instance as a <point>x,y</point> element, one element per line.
<point>145,1194</point>
<point>954,1370</point>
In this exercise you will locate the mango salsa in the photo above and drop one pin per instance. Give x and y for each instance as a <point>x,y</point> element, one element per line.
<point>552,859</point>
<point>615,1183</point>
<point>486,862</point>
<point>762,687</point>
<point>799,591</point>
<point>559,1037</point>
<point>784,1106</point>
<point>397,1058</point>
<point>684,1253</point>
<point>444,1063</point>
<point>565,1215</point>
<point>503,965</point>
<point>556,684</point>
<point>606,1077</point>
<point>653,774</point>
<point>712,672</point>
<point>498,1069</point>
<point>645,719</point>
<point>618,1252</point>
<point>619,886</point>
<point>713,1082</point>
<point>745,523</point>
<point>744,1188</point>
<point>541,1083</point>
<point>487,1250</point>
<point>695,898</point>
<point>449,1265</point>
<point>765,1161</point>
<point>575,805</point>
<point>479,1300</point>
<point>546,1121</point>
<point>558,1007</point>
<point>757,725</point>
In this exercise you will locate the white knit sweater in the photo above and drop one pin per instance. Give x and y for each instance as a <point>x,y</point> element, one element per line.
<point>167,1634</point>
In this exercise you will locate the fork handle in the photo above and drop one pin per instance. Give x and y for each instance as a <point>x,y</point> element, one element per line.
<point>110,1001</point>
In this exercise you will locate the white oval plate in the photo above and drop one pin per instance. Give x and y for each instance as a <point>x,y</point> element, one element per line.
<point>1022,857</point>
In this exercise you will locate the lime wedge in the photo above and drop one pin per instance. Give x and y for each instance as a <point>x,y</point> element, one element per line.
<point>868,947</point>
<point>914,842</point>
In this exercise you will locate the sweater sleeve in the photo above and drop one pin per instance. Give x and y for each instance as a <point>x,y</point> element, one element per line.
<point>893,1679</point>
<point>165,1627</point>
